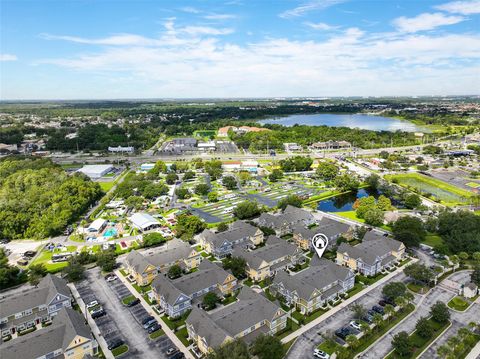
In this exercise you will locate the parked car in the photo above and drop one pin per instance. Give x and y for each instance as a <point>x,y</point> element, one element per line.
<point>390,301</point>
<point>382,303</point>
<point>115,344</point>
<point>92,304</point>
<point>378,309</point>
<point>110,277</point>
<point>355,325</point>
<point>171,351</point>
<point>368,318</point>
<point>22,262</point>
<point>149,323</point>
<point>343,332</point>
<point>29,254</point>
<point>133,302</point>
<point>147,319</point>
<point>371,313</point>
<point>98,313</point>
<point>154,327</point>
<point>317,353</point>
<point>177,355</point>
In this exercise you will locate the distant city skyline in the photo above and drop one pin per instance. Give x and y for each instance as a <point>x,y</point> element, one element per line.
<point>238,49</point>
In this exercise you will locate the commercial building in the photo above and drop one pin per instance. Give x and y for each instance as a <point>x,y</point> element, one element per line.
<point>121,149</point>
<point>96,171</point>
<point>143,221</point>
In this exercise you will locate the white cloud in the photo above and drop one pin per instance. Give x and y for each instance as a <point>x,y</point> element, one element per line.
<point>205,30</point>
<point>425,21</point>
<point>190,10</point>
<point>114,40</point>
<point>313,5</point>
<point>8,57</point>
<point>461,7</point>
<point>220,16</point>
<point>321,26</point>
<point>347,63</point>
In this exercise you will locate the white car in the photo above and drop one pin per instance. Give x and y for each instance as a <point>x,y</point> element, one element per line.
<point>92,304</point>
<point>355,325</point>
<point>317,353</point>
<point>112,278</point>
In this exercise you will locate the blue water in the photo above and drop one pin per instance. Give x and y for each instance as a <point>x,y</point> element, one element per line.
<point>366,122</point>
<point>110,232</point>
<point>344,202</point>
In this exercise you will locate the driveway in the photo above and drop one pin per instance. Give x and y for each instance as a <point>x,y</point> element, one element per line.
<point>304,345</point>
<point>124,320</point>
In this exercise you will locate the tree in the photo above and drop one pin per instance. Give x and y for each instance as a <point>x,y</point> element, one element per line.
<point>188,175</point>
<point>134,202</point>
<point>202,189</point>
<point>106,260</point>
<point>374,217</point>
<point>182,192</point>
<point>275,175</point>
<point>246,210</point>
<point>373,181</point>
<point>174,272</point>
<point>244,176</point>
<point>346,182</point>
<point>212,197</point>
<point>463,256</point>
<point>384,203</point>
<point>229,182</point>
<point>210,300</point>
<point>74,271</point>
<point>401,343</point>
<point>363,205</point>
<point>393,290</point>
<point>326,171</point>
<point>377,320</point>
<point>475,276</point>
<point>222,227</point>
<point>35,273</point>
<point>153,190</point>
<point>188,225</point>
<point>409,230</point>
<point>171,178</point>
<point>359,311</point>
<point>234,349</point>
<point>268,347</point>
<point>237,265</point>
<point>476,257</point>
<point>444,351</point>
<point>459,231</point>
<point>440,313</point>
<point>419,273</point>
<point>424,328</point>
<point>214,169</point>
<point>412,201</point>
<point>152,239</point>
<point>296,164</point>
<point>292,200</point>
<point>352,341</point>
<point>401,302</point>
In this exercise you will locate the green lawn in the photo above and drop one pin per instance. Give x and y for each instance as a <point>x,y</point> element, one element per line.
<point>329,346</point>
<point>419,343</point>
<point>314,315</point>
<point>106,186</point>
<point>356,288</point>
<point>417,288</point>
<point>291,327</point>
<point>182,334</point>
<point>45,258</point>
<point>120,350</point>
<point>352,215</point>
<point>156,334</point>
<point>433,240</point>
<point>458,303</point>
<point>128,299</point>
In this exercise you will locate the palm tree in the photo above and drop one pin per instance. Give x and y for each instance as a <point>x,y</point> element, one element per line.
<point>455,260</point>
<point>444,351</point>
<point>389,310</point>
<point>352,341</point>
<point>453,342</point>
<point>401,302</point>
<point>409,297</point>
<point>377,319</point>
<point>463,333</point>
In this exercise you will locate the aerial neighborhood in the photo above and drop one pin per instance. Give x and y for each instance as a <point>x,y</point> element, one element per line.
<point>229,236</point>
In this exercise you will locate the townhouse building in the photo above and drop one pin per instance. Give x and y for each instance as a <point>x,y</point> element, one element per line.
<point>314,287</point>
<point>31,308</point>
<point>177,296</point>
<point>265,261</point>
<point>373,255</point>
<point>250,316</point>
<point>221,244</point>
<point>289,219</point>
<point>67,337</point>
<point>144,267</point>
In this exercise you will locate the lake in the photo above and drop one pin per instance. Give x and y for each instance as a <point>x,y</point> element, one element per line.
<point>366,122</point>
<point>344,202</point>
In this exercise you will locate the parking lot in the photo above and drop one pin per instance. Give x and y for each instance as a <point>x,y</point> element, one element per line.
<point>121,321</point>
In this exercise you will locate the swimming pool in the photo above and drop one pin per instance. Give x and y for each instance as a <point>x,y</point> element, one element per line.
<point>110,232</point>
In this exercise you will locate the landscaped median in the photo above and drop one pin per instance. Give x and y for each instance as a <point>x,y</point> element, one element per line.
<point>371,336</point>
<point>156,334</point>
<point>122,349</point>
<point>458,303</point>
<point>419,343</point>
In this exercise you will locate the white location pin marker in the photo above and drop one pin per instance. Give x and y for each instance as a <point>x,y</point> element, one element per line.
<point>320,243</point>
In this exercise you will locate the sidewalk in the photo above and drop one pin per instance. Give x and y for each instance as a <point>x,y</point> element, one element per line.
<point>343,305</point>
<point>150,311</point>
<point>96,332</point>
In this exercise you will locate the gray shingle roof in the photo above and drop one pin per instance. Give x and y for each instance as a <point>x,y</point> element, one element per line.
<point>237,230</point>
<point>46,290</point>
<point>67,324</point>
<point>233,319</point>
<point>275,248</point>
<point>290,216</point>
<point>371,247</point>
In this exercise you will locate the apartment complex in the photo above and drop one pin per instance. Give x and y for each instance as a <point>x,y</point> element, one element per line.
<point>287,221</point>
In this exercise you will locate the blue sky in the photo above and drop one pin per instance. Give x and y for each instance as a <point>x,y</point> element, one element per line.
<point>100,49</point>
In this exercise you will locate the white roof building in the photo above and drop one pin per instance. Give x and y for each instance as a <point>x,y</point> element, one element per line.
<point>97,225</point>
<point>95,171</point>
<point>144,221</point>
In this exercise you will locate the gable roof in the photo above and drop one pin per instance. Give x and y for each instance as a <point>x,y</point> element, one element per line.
<point>371,248</point>
<point>43,294</point>
<point>67,325</point>
<point>275,248</point>
<point>230,321</point>
<point>297,214</point>
<point>290,216</point>
<point>237,230</point>
<point>142,220</point>
<point>172,251</point>
<point>137,261</point>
